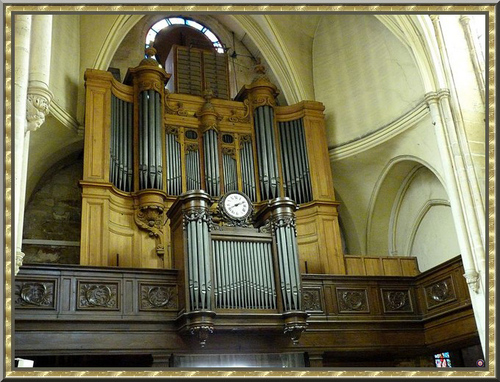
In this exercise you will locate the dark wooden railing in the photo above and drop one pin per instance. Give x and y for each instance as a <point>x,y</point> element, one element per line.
<point>63,309</point>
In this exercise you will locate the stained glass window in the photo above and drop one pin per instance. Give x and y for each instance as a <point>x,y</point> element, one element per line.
<point>165,23</point>
<point>442,359</point>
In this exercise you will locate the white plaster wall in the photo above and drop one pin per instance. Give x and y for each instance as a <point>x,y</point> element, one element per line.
<point>65,61</point>
<point>363,74</point>
<point>435,240</point>
<point>423,224</point>
<point>358,179</point>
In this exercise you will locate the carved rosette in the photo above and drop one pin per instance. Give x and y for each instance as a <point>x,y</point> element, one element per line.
<point>35,294</point>
<point>440,293</point>
<point>97,296</point>
<point>352,300</point>
<point>397,301</point>
<point>154,297</point>
<point>37,107</point>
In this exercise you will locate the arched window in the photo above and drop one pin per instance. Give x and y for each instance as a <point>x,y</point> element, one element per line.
<point>177,29</point>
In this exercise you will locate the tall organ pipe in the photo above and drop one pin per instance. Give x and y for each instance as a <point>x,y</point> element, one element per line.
<point>211,150</point>
<point>248,170</point>
<point>150,148</point>
<point>294,159</point>
<point>121,170</point>
<point>266,150</point>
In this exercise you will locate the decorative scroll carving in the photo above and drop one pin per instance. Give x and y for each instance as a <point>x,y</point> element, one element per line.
<point>312,299</point>
<point>177,109</point>
<point>35,294</point>
<point>158,297</point>
<point>150,215</point>
<point>228,151</point>
<point>191,146</point>
<point>267,227</point>
<point>150,84</point>
<point>287,222</point>
<point>170,129</point>
<point>100,296</point>
<point>439,293</point>
<point>243,119</point>
<point>352,300</point>
<point>295,331</point>
<point>202,332</point>
<point>198,214</point>
<point>397,301</point>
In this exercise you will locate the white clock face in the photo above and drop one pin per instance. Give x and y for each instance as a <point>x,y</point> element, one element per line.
<point>236,206</point>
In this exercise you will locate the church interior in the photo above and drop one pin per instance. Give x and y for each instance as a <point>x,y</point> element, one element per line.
<point>276,190</point>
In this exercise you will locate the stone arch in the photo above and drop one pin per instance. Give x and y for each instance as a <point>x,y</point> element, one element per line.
<point>383,207</point>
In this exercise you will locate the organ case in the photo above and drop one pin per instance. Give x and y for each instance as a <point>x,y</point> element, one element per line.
<point>145,146</point>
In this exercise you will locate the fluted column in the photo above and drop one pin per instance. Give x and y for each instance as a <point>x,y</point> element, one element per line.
<point>22,34</point>
<point>474,264</point>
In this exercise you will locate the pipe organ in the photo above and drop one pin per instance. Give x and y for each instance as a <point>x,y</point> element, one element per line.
<point>145,147</point>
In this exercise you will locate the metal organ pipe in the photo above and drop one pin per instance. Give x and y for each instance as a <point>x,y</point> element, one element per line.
<point>294,159</point>
<point>150,148</point>
<point>121,170</point>
<point>266,150</point>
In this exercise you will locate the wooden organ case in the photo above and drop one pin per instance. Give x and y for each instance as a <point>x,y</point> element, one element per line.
<point>156,165</point>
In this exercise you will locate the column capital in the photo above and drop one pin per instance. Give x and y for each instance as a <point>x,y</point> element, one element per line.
<point>472,279</point>
<point>19,262</point>
<point>37,107</point>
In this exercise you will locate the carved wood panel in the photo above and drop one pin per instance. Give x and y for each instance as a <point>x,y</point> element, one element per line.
<point>397,300</point>
<point>440,292</point>
<point>352,300</point>
<point>35,294</point>
<point>154,297</point>
<point>98,295</point>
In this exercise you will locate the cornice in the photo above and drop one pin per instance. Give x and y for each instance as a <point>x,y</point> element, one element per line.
<point>381,134</point>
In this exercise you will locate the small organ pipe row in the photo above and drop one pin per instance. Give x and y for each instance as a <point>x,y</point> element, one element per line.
<point>243,275</point>
<point>150,141</point>
<point>266,152</point>
<point>247,170</point>
<point>193,178</point>
<point>174,173</point>
<point>295,164</point>
<point>121,165</point>
<point>230,175</point>
<point>211,154</point>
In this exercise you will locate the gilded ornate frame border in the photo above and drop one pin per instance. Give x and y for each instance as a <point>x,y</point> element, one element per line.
<point>10,9</point>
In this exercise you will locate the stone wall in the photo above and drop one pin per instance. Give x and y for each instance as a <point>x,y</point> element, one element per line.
<point>53,217</point>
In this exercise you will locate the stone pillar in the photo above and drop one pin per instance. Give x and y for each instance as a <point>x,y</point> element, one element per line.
<point>36,106</point>
<point>22,34</point>
<point>455,126</point>
<point>473,265</point>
